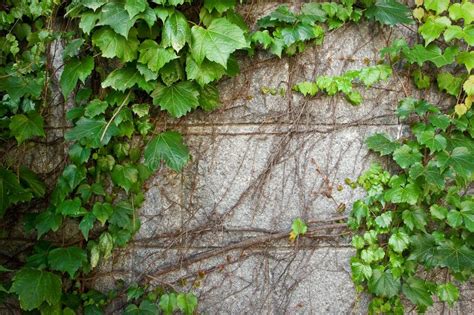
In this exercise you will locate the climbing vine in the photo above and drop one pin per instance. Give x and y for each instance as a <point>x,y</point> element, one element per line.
<point>128,62</point>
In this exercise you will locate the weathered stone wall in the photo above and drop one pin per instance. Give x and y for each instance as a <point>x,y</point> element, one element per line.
<point>259,162</point>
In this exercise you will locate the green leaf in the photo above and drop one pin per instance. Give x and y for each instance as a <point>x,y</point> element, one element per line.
<point>399,241</point>
<point>124,176</point>
<point>95,108</point>
<point>178,99</point>
<point>440,121</point>
<point>466,58</point>
<point>134,7</point>
<point>125,78</point>
<point>438,212</point>
<point>76,69</point>
<point>433,28</point>
<point>448,292</point>
<point>381,143</point>
<point>103,210</point>
<point>460,159</point>
<point>69,259</point>
<point>209,98</point>
<point>389,12</point>
<point>32,181</point>
<point>307,88</point>
<point>456,257</point>
<point>220,6</point>
<point>113,14</point>
<point>439,6</point>
<point>435,142</point>
<point>371,75</point>
<point>24,127</point>
<point>154,56</point>
<point>454,218</point>
<point>463,11</point>
<point>382,283</point>
<point>186,303</point>
<point>360,270</point>
<point>85,128</point>
<point>19,86</point>
<point>113,45</point>
<point>168,303</point>
<point>424,250</point>
<point>405,156</point>
<point>384,220</point>
<point>146,308</point>
<point>263,38</point>
<point>217,42</point>
<point>121,215</point>
<point>169,147</point>
<point>417,291</point>
<point>71,207</point>
<point>204,73</point>
<point>298,227</point>
<point>449,83</point>
<point>420,54</point>
<point>176,32</point>
<point>415,219</point>
<point>34,287</point>
<point>86,224</point>
<point>72,49</point>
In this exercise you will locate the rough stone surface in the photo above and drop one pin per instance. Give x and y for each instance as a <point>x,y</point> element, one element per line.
<point>259,162</point>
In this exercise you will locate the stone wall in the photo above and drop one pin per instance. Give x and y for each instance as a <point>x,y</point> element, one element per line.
<point>220,228</point>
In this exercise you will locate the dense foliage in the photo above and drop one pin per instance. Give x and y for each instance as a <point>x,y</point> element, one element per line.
<point>128,62</point>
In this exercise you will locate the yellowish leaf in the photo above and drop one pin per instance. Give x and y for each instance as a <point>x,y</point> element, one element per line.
<point>418,14</point>
<point>468,86</point>
<point>419,2</point>
<point>460,109</point>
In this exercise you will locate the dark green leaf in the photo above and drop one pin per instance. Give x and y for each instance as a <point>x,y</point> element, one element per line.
<point>169,147</point>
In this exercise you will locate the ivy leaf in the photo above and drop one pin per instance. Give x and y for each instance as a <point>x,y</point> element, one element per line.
<point>209,98</point>
<point>435,142</point>
<point>460,159</point>
<point>360,270</point>
<point>71,207</point>
<point>399,241</point>
<point>186,303</point>
<point>439,6</point>
<point>449,83</point>
<point>177,99</point>
<point>204,73</point>
<point>113,45</point>
<point>456,257</point>
<point>113,14</point>
<point>93,4</point>
<point>448,292</point>
<point>220,6</point>
<point>438,212</point>
<point>34,287</point>
<point>125,78</point>
<point>454,218</point>
<point>433,28</point>
<point>263,38</point>
<point>371,75</point>
<point>405,156</point>
<point>76,69</point>
<point>69,259</point>
<point>217,42</point>
<point>467,213</point>
<point>389,12</point>
<point>382,283</point>
<point>72,49</point>
<point>176,32</point>
<point>24,127</point>
<point>85,128</point>
<point>468,86</point>
<point>440,121</point>
<point>146,308</point>
<point>384,220</point>
<point>463,11</point>
<point>420,54</point>
<point>169,147</point>
<point>417,291</point>
<point>307,88</point>
<point>125,176</point>
<point>168,303</point>
<point>408,193</point>
<point>121,215</point>
<point>32,181</point>
<point>466,58</point>
<point>298,227</point>
<point>154,56</point>
<point>18,86</point>
<point>134,7</point>
<point>379,142</point>
<point>86,224</point>
<point>103,210</point>
<point>95,108</point>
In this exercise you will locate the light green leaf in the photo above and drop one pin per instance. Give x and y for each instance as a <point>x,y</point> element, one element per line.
<point>178,99</point>
<point>204,73</point>
<point>433,28</point>
<point>371,75</point>
<point>384,220</point>
<point>34,287</point>
<point>449,83</point>
<point>405,156</point>
<point>435,142</point>
<point>298,227</point>
<point>463,11</point>
<point>448,292</point>
<point>95,108</point>
<point>76,69</point>
<point>399,241</point>
<point>263,38</point>
<point>220,6</point>
<point>134,7</point>
<point>439,6</point>
<point>24,127</point>
<point>169,147</point>
<point>466,58</point>
<point>168,303</point>
<point>186,303</point>
<point>125,78</point>
<point>217,42</point>
<point>307,88</point>
<point>438,212</point>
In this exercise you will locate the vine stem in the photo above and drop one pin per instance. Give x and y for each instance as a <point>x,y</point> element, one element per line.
<point>114,115</point>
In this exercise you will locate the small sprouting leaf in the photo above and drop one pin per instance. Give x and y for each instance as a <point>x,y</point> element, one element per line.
<point>69,259</point>
<point>298,227</point>
<point>35,287</point>
<point>307,88</point>
<point>169,147</point>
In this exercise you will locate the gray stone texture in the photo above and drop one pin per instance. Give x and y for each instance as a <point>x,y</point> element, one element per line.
<point>260,161</point>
